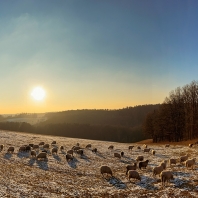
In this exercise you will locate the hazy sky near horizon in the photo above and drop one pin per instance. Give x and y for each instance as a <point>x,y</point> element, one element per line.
<point>95,54</point>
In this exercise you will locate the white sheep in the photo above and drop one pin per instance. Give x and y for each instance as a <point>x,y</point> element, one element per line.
<point>10,149</point>
<point>166,176</point>
<point>133,174</point>
<point>145,146</point>
<point>42,155</point>
<point>105,169</point>
<point>190,163</point>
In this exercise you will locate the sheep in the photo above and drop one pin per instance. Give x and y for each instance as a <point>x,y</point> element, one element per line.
<point>172,161</point>
<point>122,153</point>
<point>140,158</point>
<point>117,155</point>
<point>147,149</point>
<point>41,143</point>
<point>167,145</point>
<point>61,148</point>
<point>77,144</point>
<point>10,149</point>
<point>28,148</point>
<point>44,151</point>
<point>163,164</point>
<point>1,147</point>
<point>80,152</point>
<point>33,153</point>
<point>131,147</point>
<point>190,145</point>
<point>183,158</point>
<point>94,150</point>
<point>75,148</point>
<point>133,174</point>
<point>36,146</point>
<point>157,170</point>
<point>41,155</point>
<point>31,145</point>
<point>88,146</point>
<point>145,146</point>
<point>69,157</point>
<point>106,169</point>
<point>166,176</point>
<point>53,142</point>
<point>111,147</point>
<point>70,152</point>
<point>190,163</point>
<point>46,146</point>
<point>54,150</point>
<point>131,167</point>
<point>143,164</point>
<point>22,148</point>
<point>153,152</point>
<point>138,147</point>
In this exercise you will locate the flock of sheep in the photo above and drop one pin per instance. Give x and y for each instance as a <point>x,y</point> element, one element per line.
<point>131,170</point>
<point>166,175</point>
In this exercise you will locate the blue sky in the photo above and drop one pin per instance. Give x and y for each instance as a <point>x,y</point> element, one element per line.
<point>95,54</point>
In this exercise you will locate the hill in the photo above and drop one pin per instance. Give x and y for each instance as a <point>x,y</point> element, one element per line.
<point>24,176</point>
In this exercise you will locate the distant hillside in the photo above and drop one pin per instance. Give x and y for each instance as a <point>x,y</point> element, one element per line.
<point>127,117</point>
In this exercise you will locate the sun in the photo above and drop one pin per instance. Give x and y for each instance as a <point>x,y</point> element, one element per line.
<point>38,93</point>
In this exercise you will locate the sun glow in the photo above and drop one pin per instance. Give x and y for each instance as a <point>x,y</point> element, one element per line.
<point>38,93</point>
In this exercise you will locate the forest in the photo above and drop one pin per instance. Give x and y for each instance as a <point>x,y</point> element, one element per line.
<point>122,125</point>
<point>176,119</point>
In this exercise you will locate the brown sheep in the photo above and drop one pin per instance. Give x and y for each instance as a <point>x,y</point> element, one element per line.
<point>111,147</point>
<point>190,145</point>
<point>70,152</point>
<point>145,146</point>
<point>122,153</point>
<point>41,143</point>
<point>54,150</point>
<point>80,152</point>
<point>69,157</point>
<point>105,169</point>
<point>77,144</point>
<point>138,147</point>
<point>61,148</point>
<point>36,146</point>
<point>143,164</point>
<point>10,149</point>
<point>28,148</point>
<point>75,148</point>
<point>172,161</point>
<point>167,145</point>
<point>190,163</point>
<point>31,145</point>
<point>1,147</point>
<point>94,150</point>
<point>22,149</point>
<point>53,142</point>
<point>157,170</point>
<point>147,150</point>
<point>163,164</point>
<point>183,158</point>
<point>33,153</point>
<point>131,147</point>
<point>131,167</point>
<point>117,155</point>
<point>166,176</point>
<point>153,152</point>
<point>88,146</point>
<point>41,155</point>
<point>133,174</point>
<point>140,158</point>
<point>46,146</point>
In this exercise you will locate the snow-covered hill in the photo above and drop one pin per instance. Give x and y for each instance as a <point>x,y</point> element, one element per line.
<point>22,176</point>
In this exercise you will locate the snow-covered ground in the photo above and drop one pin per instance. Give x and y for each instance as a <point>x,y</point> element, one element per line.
<point>22,176</point>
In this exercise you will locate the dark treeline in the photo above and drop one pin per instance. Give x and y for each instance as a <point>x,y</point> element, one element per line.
<point>23,115</point>
<point>177,118</point>
<point>122,125</point>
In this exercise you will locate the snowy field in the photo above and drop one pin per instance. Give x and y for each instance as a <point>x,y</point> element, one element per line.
<point>22,176</point>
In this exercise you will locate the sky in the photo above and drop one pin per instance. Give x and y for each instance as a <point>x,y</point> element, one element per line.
<point>105,54</point>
